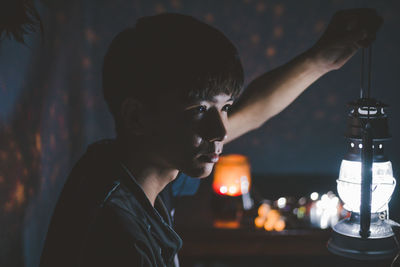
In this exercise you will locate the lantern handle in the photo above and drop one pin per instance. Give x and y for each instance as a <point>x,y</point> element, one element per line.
<point>366,60</point>
<point>366,181</point>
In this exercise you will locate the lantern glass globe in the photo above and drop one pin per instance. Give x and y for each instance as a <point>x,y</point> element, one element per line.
<point>349,185</point>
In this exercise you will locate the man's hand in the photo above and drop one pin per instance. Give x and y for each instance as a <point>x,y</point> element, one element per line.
<point>272,92</point>
<point>348,31</point>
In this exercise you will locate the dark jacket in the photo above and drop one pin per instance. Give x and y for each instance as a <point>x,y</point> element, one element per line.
<point>103,218</point>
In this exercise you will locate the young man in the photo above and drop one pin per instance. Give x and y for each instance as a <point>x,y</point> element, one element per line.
<point>170,83</point>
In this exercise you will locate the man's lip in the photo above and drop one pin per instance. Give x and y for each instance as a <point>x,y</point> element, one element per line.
<point>211,157</point>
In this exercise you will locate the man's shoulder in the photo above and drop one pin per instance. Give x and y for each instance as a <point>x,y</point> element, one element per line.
<point>93,174</point>
<point>117,234</point>
<point>99,211</point>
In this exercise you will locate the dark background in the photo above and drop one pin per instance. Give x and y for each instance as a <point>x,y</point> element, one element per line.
<point>51,105</point>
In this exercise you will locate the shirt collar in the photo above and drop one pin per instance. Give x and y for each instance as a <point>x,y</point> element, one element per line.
<point>162,231</point>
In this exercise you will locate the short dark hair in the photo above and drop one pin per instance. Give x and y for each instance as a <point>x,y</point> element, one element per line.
<point>170,52</point>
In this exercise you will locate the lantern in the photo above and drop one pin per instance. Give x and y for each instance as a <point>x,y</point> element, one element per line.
<point>232,175</point>
<point>365,184</point>
<point>232,187</point>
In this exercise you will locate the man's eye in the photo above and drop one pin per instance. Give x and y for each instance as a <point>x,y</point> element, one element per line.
<point>196,112</point>
<point>226,108</point>
<point>199,109</point>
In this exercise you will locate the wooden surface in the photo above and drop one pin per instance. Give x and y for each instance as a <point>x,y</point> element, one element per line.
<point>245,242</point>
<point>212,247</point>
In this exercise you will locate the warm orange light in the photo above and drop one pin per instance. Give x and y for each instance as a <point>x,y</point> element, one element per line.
<point>279,225</point>
<point>273,215</point>
<point>259,222</point>
<point>226,224</point>
<point>263,210</point>
<point>269,219</point>
<point>269,225</point>
<point>232,175</point>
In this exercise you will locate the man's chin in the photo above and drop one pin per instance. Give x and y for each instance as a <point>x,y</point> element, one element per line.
<point>202,171</point>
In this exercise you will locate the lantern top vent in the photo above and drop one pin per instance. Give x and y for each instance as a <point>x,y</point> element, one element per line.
<point>367,110</point>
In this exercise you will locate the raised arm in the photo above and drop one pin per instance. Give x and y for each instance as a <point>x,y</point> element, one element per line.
<point>270,93</point>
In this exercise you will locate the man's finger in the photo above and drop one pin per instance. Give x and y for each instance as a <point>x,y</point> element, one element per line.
<point>356,19</point>
<point>356,38</point>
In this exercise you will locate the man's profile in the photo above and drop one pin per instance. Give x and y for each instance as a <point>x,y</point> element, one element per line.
<point>169,83</point>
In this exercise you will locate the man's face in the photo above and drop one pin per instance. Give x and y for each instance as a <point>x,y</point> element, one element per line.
<point>189,135</point>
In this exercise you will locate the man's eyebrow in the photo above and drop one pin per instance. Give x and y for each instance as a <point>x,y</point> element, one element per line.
<point>213,99</point>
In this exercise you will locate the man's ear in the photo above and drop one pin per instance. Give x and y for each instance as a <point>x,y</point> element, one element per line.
<point>132,116</point>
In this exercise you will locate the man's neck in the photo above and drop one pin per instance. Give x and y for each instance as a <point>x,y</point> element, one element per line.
<point>152,180</point>
<point>152,177</point>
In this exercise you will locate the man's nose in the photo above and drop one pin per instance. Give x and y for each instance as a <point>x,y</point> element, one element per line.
<point>214,127</point>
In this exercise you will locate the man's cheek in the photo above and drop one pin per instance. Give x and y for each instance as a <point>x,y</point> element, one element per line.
<point>196,140</point>
<point>190,138</point>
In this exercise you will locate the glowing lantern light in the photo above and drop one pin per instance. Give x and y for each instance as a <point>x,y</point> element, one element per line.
<point>349,185</point>
<point>232,175</point>
<point>223,189</point>
<point>232,190</point>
